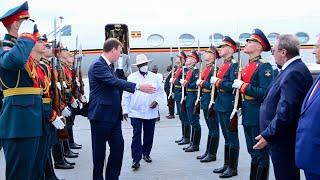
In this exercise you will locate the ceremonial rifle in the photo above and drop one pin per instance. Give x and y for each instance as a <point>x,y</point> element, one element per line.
<point>233,126</point>
<point>197,103</point>
<point>213,91</point>
<point>74,84</point>
<point>172,75</point>
<point>183,99</point>
<point>80,72</point>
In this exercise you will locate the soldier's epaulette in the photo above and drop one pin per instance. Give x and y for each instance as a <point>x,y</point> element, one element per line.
<point>7,43</point>
<point>262,61</point>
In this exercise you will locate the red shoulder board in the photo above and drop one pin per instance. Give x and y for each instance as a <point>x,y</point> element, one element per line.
<point>177,74</point>
<point>206,73</point>
<point>248,71</point>
<point>223,69</point>
<point>189,74</point>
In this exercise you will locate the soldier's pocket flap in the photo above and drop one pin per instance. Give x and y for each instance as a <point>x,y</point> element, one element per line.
<point>23,101</point>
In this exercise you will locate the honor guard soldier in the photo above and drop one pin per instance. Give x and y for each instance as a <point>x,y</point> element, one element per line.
<point>185,124</point>
<point>224,104</point>
<point>256,77</point>
<point>21,118</point>
<point>213,125</point>
<point>191,87</point>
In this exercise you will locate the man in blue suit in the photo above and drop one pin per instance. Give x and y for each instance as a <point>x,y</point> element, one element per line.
<point>280,110</point>
<point>104,110</point>
<point>308,134</point>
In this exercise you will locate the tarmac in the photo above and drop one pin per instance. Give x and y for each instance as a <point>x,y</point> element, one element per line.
<point>170,162</point>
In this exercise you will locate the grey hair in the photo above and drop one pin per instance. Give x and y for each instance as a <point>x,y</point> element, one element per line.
<point>290,43</point>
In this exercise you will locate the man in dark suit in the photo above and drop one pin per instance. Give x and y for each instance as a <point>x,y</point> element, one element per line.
<point>280,110</point>
<point>104,110</point>
<point>308,134</point>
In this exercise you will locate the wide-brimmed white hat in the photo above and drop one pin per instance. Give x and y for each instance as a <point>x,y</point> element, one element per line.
<point>140,59</point>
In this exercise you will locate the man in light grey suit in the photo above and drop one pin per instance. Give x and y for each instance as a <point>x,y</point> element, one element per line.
<point>123,67</point>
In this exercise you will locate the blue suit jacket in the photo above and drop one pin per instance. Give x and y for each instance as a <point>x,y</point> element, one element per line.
<point>280,110</point>
<point>105,87</point>
<point>308,133</point>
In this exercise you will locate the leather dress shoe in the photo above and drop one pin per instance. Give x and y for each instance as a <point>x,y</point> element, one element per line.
<point>70,154</point>
<point>75,146</point>
<point>170,117</point>
<point>147,158</point>
<point>68,162</point>
<point>63,165</point>
<point>135,165</point>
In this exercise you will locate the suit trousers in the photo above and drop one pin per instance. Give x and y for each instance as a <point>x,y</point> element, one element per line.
<point>231,138</point>
<point>102,132</point>
<point>137,148</point>
<point>311,176</point>
<point>284,164</point>
<point>20,155</point>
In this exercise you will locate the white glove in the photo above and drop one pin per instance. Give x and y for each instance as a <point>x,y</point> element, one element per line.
<point>171,80</point>
<point>83,99</point>
<point>58,123</point>
<point>181,81</point>
<point>78,83</point>
<point>74,104</point>
<point>58,86</point>
<point>66,112</point>
<point>198,82</point>
<point>213,80</point>
<point>64,84</point>
<point>237,83</point>
<point>27,26</point>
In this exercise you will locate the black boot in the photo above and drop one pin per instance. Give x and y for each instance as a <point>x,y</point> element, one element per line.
<point>226,161</point>
<point>263,173</point>
<point>186,135</point>
<point>253,171</point>
<point>191,139</point>
<point>212,152</point>
<point>182,138</point>
<point>67,151</point>
<point>196,141</point>
<point>232,169</point>
<point>49,172</point>
<point>68,162</point>
<point>205,154</point>
<point>72,144</point>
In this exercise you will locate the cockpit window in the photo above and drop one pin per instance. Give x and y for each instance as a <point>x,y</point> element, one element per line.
<point>303,37</point>
<point>272,37</point>
<point>243,37</point>
<point>186,39</point>
<point>155,40</point>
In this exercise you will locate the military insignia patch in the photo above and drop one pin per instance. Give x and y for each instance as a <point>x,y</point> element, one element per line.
<point>267,73</point>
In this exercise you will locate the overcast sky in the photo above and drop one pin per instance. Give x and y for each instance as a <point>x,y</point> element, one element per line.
<point>86,13</point>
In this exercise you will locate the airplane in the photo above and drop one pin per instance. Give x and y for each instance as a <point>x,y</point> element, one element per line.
<point>162,41</point>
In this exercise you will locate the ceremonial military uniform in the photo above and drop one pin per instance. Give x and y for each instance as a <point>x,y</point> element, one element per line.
<point>185,124</point>
<point>21,118</point>
<point>257,76</point>
<point>191,88</point>
<point>223,107</point>
<point>212,123</point>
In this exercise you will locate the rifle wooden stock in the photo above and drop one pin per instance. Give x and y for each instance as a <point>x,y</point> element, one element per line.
<point>80,77</point>
<point>233,125</point>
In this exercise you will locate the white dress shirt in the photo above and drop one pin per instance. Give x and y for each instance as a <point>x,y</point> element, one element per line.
<point>286,64</point>
<point>106,59</point>
<point>137,104</point>
<point>120,63</point>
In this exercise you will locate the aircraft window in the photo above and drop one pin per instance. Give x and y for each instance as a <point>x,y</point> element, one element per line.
<point>155,40</point>
<point>303,37</point>
<point>243,37</point>
<point>186,39</point>
<point>272,37</point>
<point>217,38</point>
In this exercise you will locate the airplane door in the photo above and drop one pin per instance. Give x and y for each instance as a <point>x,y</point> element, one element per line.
<point>120,32</point>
